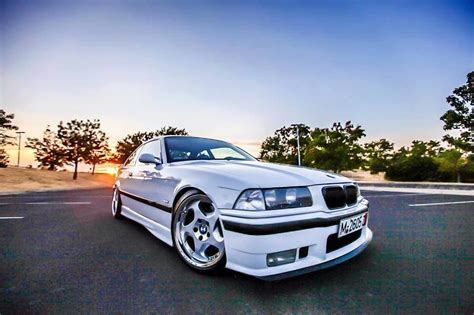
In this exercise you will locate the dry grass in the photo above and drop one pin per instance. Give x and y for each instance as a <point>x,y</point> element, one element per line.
<point>364,176</point>
<point>15,180</point>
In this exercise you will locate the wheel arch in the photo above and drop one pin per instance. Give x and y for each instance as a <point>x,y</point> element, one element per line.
<point>116,184</point>
<point>182,195</point>
<point>182,191</point>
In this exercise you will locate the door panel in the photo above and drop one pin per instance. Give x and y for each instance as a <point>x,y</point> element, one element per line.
<point>152,189</point>
<point>126,177</point>
<point>150,183</point>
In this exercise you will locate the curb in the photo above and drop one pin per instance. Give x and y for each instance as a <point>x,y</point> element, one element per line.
<point>437,191</point>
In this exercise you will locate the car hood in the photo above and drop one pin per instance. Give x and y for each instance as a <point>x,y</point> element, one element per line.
<point>265,175</point>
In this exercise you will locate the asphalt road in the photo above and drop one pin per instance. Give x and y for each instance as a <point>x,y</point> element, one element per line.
<point>67,254</point>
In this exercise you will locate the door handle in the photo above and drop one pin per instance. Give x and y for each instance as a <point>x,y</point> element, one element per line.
<point>130,174</point>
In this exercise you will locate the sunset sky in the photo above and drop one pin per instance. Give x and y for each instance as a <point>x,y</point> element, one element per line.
<point>234,70</point>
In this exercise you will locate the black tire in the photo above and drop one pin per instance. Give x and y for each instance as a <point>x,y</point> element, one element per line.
<point>116,207</point>
<point>213,269</point>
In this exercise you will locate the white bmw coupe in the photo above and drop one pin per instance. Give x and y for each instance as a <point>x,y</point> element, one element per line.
<point>220,207</point>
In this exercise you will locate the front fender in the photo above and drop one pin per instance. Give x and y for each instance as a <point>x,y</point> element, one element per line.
<point>116,184</point>
<point>222,197</point>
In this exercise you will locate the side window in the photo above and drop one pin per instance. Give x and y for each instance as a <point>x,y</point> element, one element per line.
<point>131,159</point>
<point>152,147</point>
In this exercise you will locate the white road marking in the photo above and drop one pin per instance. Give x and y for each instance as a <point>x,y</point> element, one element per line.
<point>60,203</point>
<point>441,203</point>
<point>392,195</point>
<point>47,203</point>
<point>10,218</point>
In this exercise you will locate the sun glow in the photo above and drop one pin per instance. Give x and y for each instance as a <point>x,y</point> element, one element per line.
<point>109,169</point>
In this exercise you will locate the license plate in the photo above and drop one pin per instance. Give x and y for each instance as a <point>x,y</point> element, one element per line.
<point>352,224</point>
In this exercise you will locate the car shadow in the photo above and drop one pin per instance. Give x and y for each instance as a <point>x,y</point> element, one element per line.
<point>354,269</point>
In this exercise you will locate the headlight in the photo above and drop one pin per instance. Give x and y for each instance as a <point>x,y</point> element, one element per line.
<point>250,200</point>
<point>282,198</point>
<point>272,199</point>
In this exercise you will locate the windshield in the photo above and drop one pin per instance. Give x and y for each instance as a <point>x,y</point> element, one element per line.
<point>192,148</point>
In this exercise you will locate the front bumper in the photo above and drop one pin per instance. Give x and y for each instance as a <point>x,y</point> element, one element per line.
<point>250,237</point>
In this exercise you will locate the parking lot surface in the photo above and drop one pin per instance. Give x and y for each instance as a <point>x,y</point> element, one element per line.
<point>63,252</point>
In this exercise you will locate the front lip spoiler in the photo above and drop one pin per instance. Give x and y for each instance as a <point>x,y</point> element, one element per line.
<point>284,227</point>
<point>324,265</point>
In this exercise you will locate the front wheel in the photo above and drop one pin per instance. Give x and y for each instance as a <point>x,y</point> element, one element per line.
<point>197,233</point>
<point>116,204</point>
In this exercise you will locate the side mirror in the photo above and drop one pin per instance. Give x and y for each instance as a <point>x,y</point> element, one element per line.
<point>149,158</point>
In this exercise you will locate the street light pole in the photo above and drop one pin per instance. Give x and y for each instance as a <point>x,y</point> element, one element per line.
<point>19,145</point>
<point>298,144</point>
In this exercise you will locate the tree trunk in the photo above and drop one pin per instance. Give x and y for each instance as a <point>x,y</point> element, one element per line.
<point>458,176</point>
<point>93,169</point>
<point>76,162</point>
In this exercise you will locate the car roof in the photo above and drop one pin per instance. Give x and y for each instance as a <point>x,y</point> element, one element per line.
<point>187,136</point>
<point>179,136</point>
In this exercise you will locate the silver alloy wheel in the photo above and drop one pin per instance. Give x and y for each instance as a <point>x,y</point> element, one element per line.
<point>115,201</point>
<point>198,234</point>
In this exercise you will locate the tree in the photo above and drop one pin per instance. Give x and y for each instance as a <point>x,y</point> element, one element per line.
<point>98,156</point>
<point>452,162</point>
<point>5,139</point>
<point>425,149</point>
<point>378,154</point>
<point>335,148</point>
<point>282,147</point>
<point>79,140</point>
<point>3,158</point>
<point>49,151</point>
<point>5,126</point>
<point>460,117</point>
<point>416,163</point>
<point>127,145</point>
<point>98,148</point>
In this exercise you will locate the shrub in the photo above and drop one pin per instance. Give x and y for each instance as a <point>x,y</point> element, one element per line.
<point>412,168</point>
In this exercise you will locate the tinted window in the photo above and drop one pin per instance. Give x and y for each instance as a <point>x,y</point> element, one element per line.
<point>192,148</point>
<point>131,159</point>
<point>152,147</point>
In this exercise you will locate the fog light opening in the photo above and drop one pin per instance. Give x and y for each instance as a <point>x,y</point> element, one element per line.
<point>281,258</point>
<point>303,252</point>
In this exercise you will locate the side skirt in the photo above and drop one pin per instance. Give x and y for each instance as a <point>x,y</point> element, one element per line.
<point>158,230</point>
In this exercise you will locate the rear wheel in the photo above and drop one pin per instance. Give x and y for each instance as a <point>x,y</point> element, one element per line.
<point>116,204</point>
<point>197,233</point>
